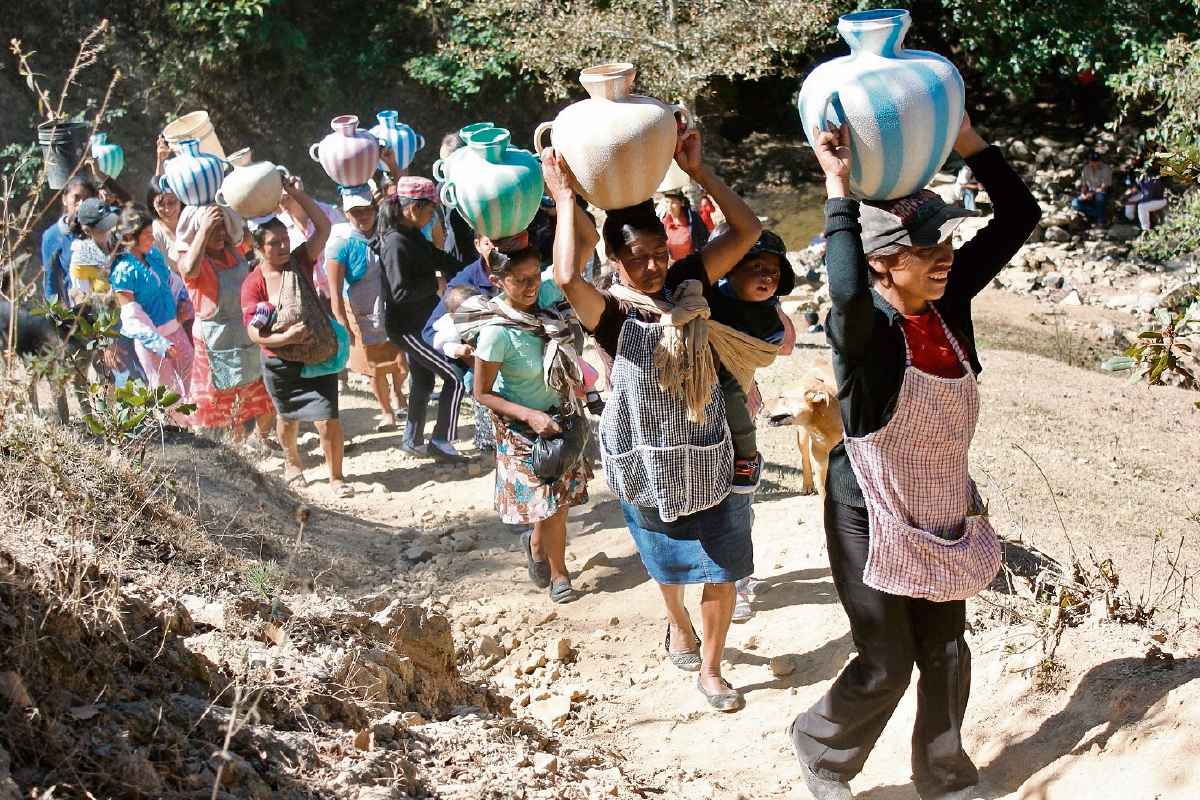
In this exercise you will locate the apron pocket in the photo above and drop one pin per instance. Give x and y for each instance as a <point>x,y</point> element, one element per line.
<point>677,481</point>
<point>908,561</point>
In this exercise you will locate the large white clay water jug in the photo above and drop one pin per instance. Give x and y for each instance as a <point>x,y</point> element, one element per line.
<point>903,107</point>
<point>617,144</point>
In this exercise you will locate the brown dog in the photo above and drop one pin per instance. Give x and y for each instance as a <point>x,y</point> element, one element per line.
<point>810,404</point>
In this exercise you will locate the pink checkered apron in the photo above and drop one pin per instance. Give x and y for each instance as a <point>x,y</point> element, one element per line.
<point>929,532</point>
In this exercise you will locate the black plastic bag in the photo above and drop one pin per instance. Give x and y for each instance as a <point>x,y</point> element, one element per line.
<point>554,457</point>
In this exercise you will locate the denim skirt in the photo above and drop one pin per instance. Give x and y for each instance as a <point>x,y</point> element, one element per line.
<point>710,546</point>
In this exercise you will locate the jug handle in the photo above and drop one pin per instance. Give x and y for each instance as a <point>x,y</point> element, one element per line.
<point>312,152</point>
<point>219,199</point>
<point>448,195</point>
<point>538,146</point>
<point>284,170</point>
<point>683,118</point>
<point>420,142</point>
<point>822,120</point>
<point>162,184</point>
<point>439,170</point>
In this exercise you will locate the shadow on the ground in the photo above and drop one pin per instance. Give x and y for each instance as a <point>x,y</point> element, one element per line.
<point>799,587</point>
<point>822,664</point>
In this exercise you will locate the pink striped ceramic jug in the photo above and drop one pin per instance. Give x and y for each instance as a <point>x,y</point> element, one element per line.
<point>349,155</point>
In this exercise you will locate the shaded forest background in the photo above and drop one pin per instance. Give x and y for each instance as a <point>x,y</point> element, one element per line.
<point>273,72</point>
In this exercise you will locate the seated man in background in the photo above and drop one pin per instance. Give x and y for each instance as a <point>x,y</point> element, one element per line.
<point>1095,183</point>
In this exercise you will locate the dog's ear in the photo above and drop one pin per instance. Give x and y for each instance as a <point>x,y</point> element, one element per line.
<point>816,397</point>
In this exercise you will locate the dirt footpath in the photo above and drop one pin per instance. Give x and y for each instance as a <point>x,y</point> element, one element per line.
<point>1066,457</point>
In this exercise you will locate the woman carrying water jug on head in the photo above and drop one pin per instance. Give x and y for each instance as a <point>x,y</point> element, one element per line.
<point>907,533</point>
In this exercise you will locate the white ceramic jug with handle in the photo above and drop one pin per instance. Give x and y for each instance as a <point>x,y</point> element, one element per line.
<point>253,190</point>
<point>617,144</point>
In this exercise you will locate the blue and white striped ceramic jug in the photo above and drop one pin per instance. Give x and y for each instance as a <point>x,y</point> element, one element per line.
<point>903,107</point>
<point>497,188</point>
<point>398,136</point>
<point>192,176</point>
<point>109,156</point>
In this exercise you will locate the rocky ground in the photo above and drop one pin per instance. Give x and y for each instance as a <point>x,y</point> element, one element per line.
<point>196,629</point>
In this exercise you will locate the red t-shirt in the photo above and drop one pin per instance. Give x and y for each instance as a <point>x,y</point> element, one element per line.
<point>679,236</point>
<point>930,347</point>
<point>254,288</point>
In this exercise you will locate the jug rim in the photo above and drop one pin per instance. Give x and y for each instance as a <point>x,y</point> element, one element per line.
<point>878,17</point>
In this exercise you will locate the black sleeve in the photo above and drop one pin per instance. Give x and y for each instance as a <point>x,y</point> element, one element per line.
<point>1015,215</point>
<point>852,319</point>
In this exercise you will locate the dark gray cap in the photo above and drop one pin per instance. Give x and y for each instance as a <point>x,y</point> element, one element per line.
<point>919,220</point>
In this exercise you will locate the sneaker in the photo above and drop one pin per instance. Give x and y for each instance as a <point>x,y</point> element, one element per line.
<point>747,473</point>
<point>825,788</point>
<point>594,403</point>
<point>820,788</point>
<point>445,452</point>
<point>416,451</point>
<point>741,608</point>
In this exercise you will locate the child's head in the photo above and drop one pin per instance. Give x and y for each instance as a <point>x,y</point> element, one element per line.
<point>456,296</point>
<point>764,272</point>
<point>812,318</point>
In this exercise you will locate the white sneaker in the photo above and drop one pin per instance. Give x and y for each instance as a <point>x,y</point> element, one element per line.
<point>741,608</point>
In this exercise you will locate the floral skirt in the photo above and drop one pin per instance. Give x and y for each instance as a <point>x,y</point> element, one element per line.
<point>521,496</point>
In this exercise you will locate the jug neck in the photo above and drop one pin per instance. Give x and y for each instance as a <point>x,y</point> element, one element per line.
<point>189,147</point>
<point>491,144</point>
<point>387,119</point>
<point>608,81</point>
<point>345,125</point>
<point>99,138</point>
<point>879,32</point>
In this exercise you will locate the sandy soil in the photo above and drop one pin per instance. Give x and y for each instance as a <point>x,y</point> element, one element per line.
<point>1118,464</point>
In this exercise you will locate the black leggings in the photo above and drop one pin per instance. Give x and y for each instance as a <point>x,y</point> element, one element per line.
<point>425,365</point>
<point>891,633</point>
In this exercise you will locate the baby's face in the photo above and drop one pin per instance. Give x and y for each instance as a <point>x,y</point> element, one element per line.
<point>755,278</point>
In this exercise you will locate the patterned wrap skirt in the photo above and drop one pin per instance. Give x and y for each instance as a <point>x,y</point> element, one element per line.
<point>521,496</point>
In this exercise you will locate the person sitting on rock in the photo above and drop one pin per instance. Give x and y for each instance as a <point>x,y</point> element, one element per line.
<point>1145,198</point>
<point>1095,183</point>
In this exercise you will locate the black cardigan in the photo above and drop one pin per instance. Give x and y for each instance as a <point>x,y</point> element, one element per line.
<point>410,285</point>
<point>863,328</point>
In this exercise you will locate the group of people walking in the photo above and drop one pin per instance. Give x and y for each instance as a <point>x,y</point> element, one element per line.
<point>681,323</point>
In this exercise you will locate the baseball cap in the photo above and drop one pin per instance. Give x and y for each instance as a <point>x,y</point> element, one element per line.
<point>770,242</point>
<point>918,220</point>
<point>358,197</point>
<point>417,188</point>
<point>94,214</point>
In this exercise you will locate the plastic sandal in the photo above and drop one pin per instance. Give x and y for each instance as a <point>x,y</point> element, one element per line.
<point>539,571</point>
<point>562,591</point>
<point>689,660</point>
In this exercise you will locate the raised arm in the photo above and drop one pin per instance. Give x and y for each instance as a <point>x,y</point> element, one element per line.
<point>725,251</point>
<point>189,263</point>
<point>316,243</point>
<point>575,240</point>
<point>1015,215</point>
<point>850,321</point>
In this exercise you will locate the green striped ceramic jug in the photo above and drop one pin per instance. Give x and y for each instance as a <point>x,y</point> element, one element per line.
<point>497,188</point>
